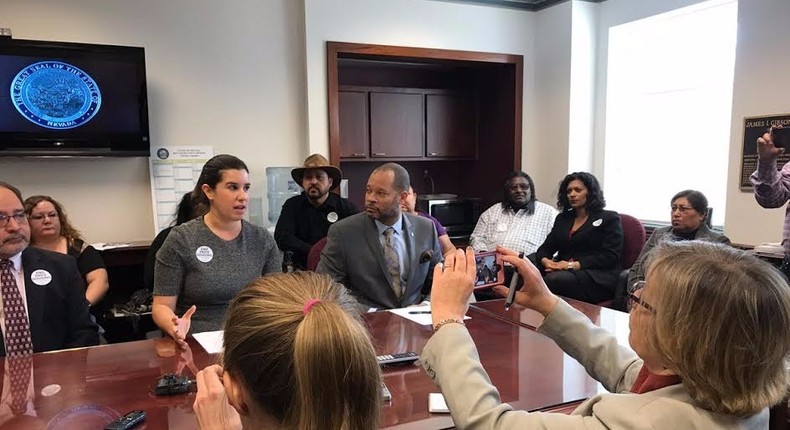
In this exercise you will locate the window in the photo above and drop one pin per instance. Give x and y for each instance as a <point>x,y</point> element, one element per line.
<point>669,101</point>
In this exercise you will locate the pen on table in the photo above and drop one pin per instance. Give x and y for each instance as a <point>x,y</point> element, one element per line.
<point>511,294</point>
<point>419,312</point>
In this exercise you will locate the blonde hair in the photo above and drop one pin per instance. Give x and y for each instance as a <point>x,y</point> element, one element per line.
<point>722,323</point>
<point>313,370</point>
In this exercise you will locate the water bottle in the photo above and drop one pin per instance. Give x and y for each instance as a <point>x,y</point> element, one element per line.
<point>281,187</point>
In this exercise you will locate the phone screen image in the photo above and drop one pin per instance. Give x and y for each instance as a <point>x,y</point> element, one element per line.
<point>489,270</point>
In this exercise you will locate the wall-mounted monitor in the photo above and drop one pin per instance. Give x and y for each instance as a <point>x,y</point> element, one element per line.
<point>72,99</point>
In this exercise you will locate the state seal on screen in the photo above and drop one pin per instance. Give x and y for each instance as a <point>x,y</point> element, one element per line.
<point>55,95</point>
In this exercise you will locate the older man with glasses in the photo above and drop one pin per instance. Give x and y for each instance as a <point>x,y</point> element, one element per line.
<point>43,305</point>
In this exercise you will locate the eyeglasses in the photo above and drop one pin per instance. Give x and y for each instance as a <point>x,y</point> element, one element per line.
<point>681,209</point>
<point>634,298</point>
<point>40,217</point>
<point>18,216</point>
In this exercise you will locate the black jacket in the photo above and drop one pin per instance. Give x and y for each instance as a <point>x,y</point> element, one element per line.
<point>58,311</point>
<point>596,245</point>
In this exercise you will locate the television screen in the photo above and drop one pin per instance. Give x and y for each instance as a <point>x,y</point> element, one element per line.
<point>60,98</point>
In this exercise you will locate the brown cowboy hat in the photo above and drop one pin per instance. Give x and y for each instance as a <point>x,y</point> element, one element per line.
<point>318,161</point>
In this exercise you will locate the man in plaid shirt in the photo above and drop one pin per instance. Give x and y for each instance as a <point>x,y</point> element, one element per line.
<point>519,222</point>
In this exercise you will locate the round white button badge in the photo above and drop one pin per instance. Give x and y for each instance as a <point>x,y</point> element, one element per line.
<point>331,217</point>
<point>50,390</point>
<point>597,222</point>
<point>41,277</point>
<point>204,254</point>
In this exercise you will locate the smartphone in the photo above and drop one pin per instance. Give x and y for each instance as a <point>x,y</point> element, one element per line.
<point>781,137</point>
<point>490,270</point>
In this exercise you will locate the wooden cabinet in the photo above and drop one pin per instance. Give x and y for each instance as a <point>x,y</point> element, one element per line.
<point>353,124</point>
<point>451,126</point>
<point>397,125</point>
<point>407,124</point>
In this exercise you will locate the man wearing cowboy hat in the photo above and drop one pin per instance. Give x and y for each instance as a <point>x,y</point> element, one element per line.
<point>305,219</point>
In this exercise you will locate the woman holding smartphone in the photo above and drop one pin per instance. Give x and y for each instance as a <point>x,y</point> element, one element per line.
<point>205,262</point>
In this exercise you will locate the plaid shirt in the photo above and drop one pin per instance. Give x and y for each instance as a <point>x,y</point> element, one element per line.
<point>517,231</point>
<point>772,190</point>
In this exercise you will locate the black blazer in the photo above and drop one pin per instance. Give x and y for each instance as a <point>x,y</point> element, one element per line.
<point>58,311</point>
<point>596,245</point>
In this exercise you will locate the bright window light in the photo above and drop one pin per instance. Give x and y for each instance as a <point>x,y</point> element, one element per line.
<point>668,109</point>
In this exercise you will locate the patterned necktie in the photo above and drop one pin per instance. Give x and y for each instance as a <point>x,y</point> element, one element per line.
<point>393,265</point>
<point>18,343</point>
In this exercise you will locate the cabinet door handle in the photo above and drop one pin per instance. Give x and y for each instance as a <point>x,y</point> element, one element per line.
<point>358,155</point>
<point>379,153</point>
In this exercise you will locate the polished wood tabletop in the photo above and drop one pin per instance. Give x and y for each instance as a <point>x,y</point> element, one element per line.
<point>89,387</point>
<point>613,321</point>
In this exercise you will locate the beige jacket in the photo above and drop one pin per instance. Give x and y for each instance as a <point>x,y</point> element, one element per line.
<point>450,358</point>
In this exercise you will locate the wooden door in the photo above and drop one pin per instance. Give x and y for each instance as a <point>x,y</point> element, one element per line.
<point>353,110</point>
<point>397,125</point>
<point>451,126</point>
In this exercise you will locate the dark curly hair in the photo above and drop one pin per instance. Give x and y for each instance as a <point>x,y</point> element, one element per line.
<point>531,202</point>
<point>595,200</point>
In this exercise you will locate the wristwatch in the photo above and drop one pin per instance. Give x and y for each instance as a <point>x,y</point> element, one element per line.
<point>570,265</point>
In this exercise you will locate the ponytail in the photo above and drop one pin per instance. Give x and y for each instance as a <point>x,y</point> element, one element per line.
<point>298,347</point>
<point>335,367</point>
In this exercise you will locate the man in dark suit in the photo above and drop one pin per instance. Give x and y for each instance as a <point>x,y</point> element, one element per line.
<point>385,257</point>
<point>43,297</point>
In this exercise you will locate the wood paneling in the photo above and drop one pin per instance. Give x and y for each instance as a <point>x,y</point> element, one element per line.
<point>354,137</point>
<point>397,127</point>
<point>450,126</point>
<point>439,68</point>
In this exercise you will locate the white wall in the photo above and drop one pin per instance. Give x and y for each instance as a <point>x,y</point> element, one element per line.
<point>551,110</point>
<point>584,32</point>
<point>418,23</point>
<point>762,86</point>
<point>227,74</point>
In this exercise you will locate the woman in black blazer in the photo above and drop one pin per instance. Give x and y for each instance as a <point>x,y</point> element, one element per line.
<point>587,241</point>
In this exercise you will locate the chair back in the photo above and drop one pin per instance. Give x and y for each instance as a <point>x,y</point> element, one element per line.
<point>314,256</point>
<point>634,237</point>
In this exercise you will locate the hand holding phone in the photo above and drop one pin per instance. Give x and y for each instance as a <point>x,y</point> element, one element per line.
<point>780,136</point>
<point>490,270</point>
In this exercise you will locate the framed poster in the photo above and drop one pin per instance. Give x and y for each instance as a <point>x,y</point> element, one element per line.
<point>754,127</point>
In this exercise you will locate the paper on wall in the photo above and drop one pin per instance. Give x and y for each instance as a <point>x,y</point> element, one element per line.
<point>174,171</point>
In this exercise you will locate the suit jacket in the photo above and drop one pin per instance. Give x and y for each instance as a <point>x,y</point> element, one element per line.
<point>58,311</point>
<point>637,272</point>
<point>353,256</point>
<point>451,359</point>
<point>596,245</point>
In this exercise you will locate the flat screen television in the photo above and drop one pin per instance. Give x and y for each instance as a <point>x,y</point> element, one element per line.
<point>72,99</point>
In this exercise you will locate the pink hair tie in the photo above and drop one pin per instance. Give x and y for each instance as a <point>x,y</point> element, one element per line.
<point>308,305</point>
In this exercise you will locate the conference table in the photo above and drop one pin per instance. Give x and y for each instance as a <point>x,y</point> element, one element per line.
<point>86,388</point>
